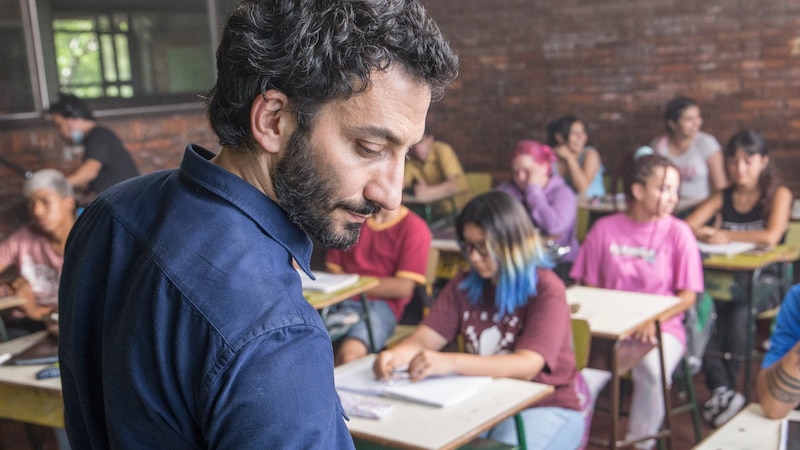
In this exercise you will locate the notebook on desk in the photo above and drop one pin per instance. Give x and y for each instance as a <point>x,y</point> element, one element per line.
<point>42,352</point>
<point>437,391</point>
<point>729,249</point>
<point>326,282</point>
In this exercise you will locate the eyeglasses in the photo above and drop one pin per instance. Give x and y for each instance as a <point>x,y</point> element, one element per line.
<point>468,247</point>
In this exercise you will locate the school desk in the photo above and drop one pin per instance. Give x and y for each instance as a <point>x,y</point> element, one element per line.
<point>323,301</point>
<point>749,429</point>
<point>413,425</point>
<point>613,316</point>
<point>752,264</point>
<point>8,303</point>
<point>22,396</point>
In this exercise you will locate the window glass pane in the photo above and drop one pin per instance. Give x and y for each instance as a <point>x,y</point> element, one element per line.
<point>154,54</point>
<point>109,60</point>
<point>16,91</point>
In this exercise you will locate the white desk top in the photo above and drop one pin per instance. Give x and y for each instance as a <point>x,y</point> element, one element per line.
<point>615,314</point>
<point>25,375</point>
<point>748,430</point>
<point>417,426</point>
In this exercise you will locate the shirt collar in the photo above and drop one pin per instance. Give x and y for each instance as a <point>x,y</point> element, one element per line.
<point>270,217</point>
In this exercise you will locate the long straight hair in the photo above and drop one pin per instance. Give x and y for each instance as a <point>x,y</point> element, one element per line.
<point>511,241</point>
<point>769,179</point>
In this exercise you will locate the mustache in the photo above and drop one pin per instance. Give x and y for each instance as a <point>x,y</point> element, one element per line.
<point>365,208</point>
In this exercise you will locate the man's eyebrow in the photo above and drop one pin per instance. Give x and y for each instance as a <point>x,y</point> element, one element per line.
<point>378,132</point>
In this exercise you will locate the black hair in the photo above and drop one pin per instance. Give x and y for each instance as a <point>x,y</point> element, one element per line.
<point>560,126</point>
<point>769,180</point>
<point>70,107</point>
<point>637,167</point>
<point>675,109</point>
<point>317,51</point>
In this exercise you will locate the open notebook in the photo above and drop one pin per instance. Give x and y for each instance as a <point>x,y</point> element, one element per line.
<point>435,391</point>
<point>326,282</point>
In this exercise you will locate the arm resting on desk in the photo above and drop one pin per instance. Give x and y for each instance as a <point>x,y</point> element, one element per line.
<point>779,385</point>
<point>420,352</point>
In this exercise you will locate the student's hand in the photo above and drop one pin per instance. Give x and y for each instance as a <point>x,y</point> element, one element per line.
<point>385,364</point>
<point>429,362</point>
<point>422,191</point>
<point>23,289</point>
<point>563,152</point>
<point>646,333</point>
<point>705,233</point>
<point>719,237</point>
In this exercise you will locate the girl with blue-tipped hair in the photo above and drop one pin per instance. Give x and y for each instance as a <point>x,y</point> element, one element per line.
<point>512,314</point>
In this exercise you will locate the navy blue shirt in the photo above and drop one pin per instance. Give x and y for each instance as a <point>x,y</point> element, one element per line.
<point>183,324</point>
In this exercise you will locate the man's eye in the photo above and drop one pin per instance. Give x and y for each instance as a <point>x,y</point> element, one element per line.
<point>368,151</point>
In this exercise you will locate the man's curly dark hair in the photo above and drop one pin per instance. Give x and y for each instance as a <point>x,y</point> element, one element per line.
<point>316,51</point>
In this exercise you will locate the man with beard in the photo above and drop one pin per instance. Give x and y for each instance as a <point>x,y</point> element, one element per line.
<point>183,321</point>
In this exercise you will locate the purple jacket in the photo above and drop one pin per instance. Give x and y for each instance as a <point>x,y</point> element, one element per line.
<point>553,210</point>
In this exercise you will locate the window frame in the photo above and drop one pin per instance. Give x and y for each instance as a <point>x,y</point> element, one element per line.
<point>44,82</point>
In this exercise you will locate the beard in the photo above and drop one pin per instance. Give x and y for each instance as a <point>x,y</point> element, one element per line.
<point>309,194</point>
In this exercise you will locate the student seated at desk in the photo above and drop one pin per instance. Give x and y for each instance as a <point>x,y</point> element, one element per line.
<point>433,171</point>
<point>778,382</point>
<point>37,251</point>
<point>696,154</point>
<point>550,202</point>
<point>513,317</point>
<point>393,246</point>
<point>645,249</point>
<point>579,164</point>
<point>755,208</point>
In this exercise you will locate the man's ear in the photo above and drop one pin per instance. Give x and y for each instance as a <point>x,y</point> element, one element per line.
<point>271,120</point>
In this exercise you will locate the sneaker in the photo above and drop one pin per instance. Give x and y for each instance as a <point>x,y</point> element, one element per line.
<point>734,406</point>
<point>719,400</point>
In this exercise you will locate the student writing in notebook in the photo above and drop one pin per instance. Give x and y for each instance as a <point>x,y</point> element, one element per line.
<point>513,317</point>
<point>755,208</point>
<point>393,246</point>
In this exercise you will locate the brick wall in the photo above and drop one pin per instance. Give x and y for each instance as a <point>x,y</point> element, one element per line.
<point>156,141</point>
<point>615,64</point>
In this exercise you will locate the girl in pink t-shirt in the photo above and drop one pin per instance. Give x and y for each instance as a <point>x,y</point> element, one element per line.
<point>645,249</point>
<point>513,317</point>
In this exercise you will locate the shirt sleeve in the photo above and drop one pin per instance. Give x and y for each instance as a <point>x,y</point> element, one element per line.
<point>553,212</point>
<point>255,403</point>
<point>587,265</point>
<point>412,262</point>
<point>9,251</point>
<point>445,314</point>
<point>787,328</point>
<point>546,318</point>
<point>707,145</point>
<point>687,263</point>
<point>448,161</point>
